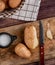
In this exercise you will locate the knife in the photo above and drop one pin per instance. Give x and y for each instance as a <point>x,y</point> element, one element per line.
<point>41,38</point>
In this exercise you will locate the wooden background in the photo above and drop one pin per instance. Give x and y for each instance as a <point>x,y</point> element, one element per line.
<point>47,10</point>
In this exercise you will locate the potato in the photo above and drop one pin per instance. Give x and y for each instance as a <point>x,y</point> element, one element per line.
<point>14,3</point>
<point>6,3</point>
<point>22,51</point>
<point>2,6</point>
<point>30,37</point>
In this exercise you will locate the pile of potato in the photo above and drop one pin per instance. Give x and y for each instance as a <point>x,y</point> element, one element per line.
<point>31,42</point>
<point>6,4</point>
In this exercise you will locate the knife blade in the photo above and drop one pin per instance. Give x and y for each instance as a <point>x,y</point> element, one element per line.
<point>41,38</point>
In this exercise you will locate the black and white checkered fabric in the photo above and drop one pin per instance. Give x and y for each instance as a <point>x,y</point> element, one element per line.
<point>27,11</point>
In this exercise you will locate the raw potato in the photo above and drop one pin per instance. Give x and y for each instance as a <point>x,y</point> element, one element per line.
<point>14,3</point>
<point>2,6</point>
<point>6,3</point>
<point>30,37</point>
<point>22,51</point>
<point>49,34</point>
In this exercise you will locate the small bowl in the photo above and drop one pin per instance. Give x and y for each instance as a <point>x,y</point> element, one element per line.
<point>12,38</point>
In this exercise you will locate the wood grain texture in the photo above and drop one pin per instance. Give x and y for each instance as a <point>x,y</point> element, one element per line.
<point>8,56</point>
<point>47,62</point>
<point>10,22</point>
<point>47,9</point>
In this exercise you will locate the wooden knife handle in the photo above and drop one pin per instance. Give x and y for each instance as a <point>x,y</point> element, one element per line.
<point>42,55</point>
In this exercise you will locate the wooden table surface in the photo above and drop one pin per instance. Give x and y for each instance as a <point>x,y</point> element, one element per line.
<point>47,10</point>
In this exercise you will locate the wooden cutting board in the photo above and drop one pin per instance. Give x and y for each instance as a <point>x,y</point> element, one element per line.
<point>8,56</point>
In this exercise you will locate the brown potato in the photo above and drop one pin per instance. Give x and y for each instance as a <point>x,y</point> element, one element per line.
<point>6,3</point>
<point>30,37</point>
<point>2,6</point>
<point>22,51</point>
<point>14,3</point>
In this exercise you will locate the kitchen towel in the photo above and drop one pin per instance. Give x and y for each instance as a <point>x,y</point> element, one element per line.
<point>28,12</point>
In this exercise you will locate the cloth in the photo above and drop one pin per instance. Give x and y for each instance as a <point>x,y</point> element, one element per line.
<point>28,12</point>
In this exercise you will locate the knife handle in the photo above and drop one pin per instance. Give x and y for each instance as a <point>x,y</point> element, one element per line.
<point>42,55</point>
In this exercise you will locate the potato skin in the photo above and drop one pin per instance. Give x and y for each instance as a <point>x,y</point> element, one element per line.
<point>6,3</point>
<point>30,37</point>
<point>2,6</point>
<point>14,3</point>
<point>22,51</point>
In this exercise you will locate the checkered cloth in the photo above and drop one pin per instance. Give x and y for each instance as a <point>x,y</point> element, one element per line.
<point>28,11</point>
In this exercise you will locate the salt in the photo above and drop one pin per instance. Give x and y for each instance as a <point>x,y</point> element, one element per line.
<point>5,40</point>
